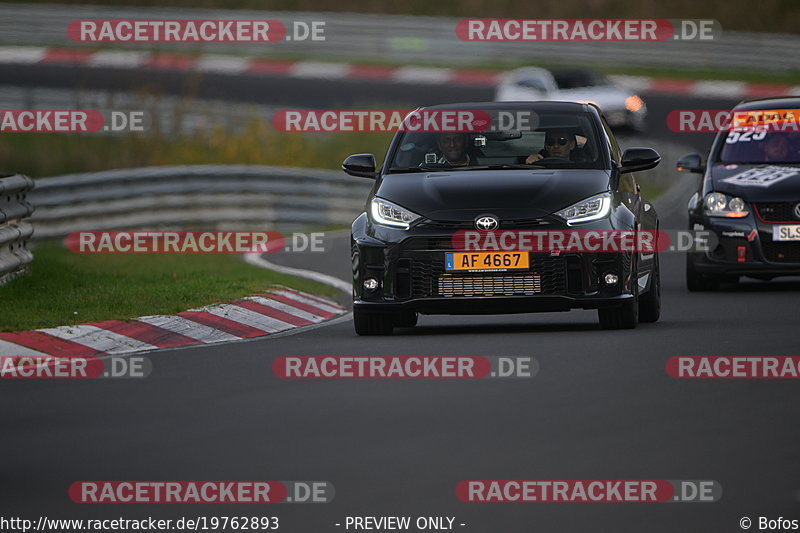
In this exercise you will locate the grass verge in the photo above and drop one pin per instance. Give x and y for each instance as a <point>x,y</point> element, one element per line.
<point>64,288</point>
<point>259,144</point>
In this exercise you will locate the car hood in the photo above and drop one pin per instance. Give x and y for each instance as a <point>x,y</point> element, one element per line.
<point>778,182</point>
<point>462,195</point>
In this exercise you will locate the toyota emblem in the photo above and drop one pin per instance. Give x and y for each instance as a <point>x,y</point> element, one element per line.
<point>487,223</point>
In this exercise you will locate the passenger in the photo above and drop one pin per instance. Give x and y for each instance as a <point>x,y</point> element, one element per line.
<point>557,143</point>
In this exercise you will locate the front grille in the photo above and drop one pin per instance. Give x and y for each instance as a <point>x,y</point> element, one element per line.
<point>547,275</point>
<point>423,274</point>
<point>781,252</point>
<point>494,285</point>
<point>777,211</point>
<point>427,244</point>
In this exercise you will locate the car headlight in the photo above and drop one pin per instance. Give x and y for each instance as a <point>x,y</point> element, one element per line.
<point>593,208</point>
<point>633,103</point>
<point>717,204</point>
<point>390,214</point>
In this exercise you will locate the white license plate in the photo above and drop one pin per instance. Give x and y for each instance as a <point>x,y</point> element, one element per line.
<point>787,232</point>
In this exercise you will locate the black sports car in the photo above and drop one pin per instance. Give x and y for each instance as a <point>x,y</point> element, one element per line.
<point>749,197</point>
<point>561,172</point>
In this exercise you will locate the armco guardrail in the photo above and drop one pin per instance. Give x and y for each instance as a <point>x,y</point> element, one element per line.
<point>196,196</point>
<point>365,37</point>
<point>227,196</point>
<point>14,229</point>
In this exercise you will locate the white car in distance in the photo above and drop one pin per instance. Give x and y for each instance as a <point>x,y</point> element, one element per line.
<point>622,107</point>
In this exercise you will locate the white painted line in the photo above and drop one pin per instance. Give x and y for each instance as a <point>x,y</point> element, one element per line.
<point>189,328</point>
<point>309,301</point>
<point>222,64</point>
<point>98,339</point>
<point>314,69</point>
<point>730,89</point>
<point>312,297</point>
<point>21,54</point>
<point>119,59</point>
<point>255,258</point>
<point>422,75</point>
<point>286,308</point>
<point>10,348</point>
<point>247,317</point>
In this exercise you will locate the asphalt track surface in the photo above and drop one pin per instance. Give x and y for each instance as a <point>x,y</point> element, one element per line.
<point>601,406</point>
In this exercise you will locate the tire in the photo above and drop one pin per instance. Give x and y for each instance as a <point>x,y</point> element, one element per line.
<point>367,323</point>
<point>625,316</point>
<point>696,282</point>
<point>650,302</point>
<point>406,319</point>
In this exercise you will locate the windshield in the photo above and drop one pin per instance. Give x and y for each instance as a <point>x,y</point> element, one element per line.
<point>577,79</point>
<point>547,140</point>
<point>761,147</point>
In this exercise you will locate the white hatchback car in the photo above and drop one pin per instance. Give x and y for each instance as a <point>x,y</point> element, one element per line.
<point>621,106</point>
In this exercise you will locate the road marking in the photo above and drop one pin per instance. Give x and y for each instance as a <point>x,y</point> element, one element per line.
<point>189,328</point>
<point>314,69</point>
<point>10,348</point>
<point>422,75</point>
<point>218,63</point>
<point>98,339</point>
<point>256,259</point>
<point>291,310</point>
<point>247,317</point>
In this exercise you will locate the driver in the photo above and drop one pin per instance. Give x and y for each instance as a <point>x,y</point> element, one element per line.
<point>453,146</point>
<point>776,148</point>
<point>557,143</point>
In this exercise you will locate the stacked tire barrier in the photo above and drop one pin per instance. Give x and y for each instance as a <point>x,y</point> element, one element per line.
<point>223,197</point>
<point>15,230</point>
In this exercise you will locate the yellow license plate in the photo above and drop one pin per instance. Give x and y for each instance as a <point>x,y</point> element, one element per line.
<point>483,261</point>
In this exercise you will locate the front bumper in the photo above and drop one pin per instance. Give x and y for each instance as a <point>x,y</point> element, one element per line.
<point>411,275</point>
<point>492,305</point>
<point>745,247</point>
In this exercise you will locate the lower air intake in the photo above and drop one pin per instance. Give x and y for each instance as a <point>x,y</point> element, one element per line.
<point>506,285</point>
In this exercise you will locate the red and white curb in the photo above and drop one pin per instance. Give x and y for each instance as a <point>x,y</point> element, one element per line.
<point>254,316</point>
<point>234,65</point>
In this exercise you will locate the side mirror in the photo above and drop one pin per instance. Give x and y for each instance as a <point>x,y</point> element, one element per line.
<point>634,159</point>
<point>360,165</point>
<point>691,163</point>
